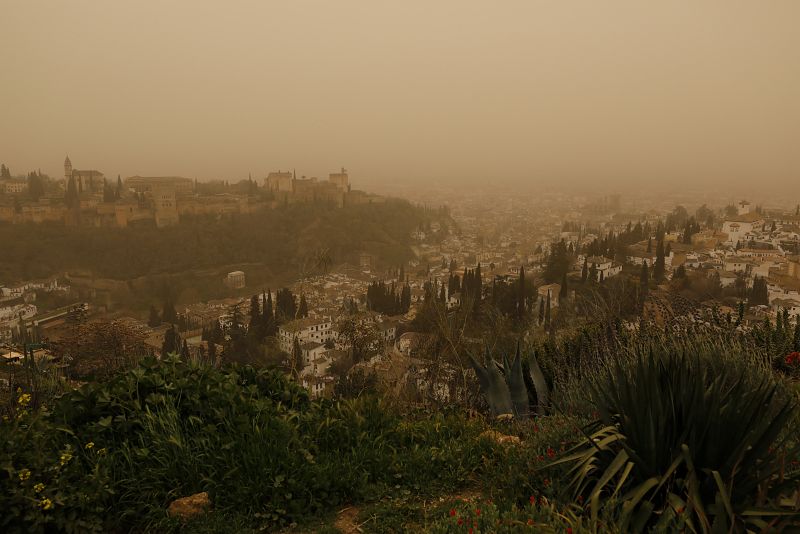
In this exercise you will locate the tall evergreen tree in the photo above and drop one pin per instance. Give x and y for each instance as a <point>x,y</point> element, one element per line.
<point>521,293</point>
<point>154,319</point>
<point>547,312</point>
<point>659,266</point>
<point>541,311</point>
<point>644,285</point>
<point>298,362</point>
<point>168,312</point>
<point>303,309</point>
<point>172,342</point>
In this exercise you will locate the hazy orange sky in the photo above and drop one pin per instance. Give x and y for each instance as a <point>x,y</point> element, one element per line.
<point>577,92</point>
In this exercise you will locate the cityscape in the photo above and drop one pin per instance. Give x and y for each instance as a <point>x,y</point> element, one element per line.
<point>449,268</point>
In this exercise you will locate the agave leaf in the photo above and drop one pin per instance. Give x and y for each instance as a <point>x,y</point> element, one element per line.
<point>498,395</point>
<point>516,386</point>
<point>539,384</point>
<point>723,493</point>
<point>493,386</point>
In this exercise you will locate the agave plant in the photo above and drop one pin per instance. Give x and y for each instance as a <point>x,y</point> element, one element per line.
<point>504,387</point>
<point>683,440</point>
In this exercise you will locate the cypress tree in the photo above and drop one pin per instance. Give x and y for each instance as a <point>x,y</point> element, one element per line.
<point>521,294</point>
<point>644,287</point>
<point>659,266</point>
<point>547,311</point>
<point>297,356</point>
<point>212,352</point>
<point>303,310</point>
<point>155,319</point>
<point>541,311</point>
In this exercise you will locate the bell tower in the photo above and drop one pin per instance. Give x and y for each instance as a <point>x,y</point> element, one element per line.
<point>67,169</point>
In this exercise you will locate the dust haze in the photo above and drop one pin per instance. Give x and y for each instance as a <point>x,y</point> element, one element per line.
<point>533,92</point>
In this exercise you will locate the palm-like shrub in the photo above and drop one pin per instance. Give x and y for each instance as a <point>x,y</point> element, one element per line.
<point>683,438</point>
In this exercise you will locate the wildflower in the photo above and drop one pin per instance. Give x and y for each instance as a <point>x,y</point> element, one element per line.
<point>550,452</point>
<point>38,488</point>
<point>530,522</point>
<point>540,458</point>
<point>470,530</point>
<point>533,500</point>
<point>65,458</point>
<point>569,530</point>
<point>19,391</point>
<point>46,504</point>
<point>452,512</point>
<point>24,474</point>
<point>89,445</point>
<point>477,511</point>
<point>102,452</point>
<point>460,521</point>
<point>5,419</point>
<point>24,399</point>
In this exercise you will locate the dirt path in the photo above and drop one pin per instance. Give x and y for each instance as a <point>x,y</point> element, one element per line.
<point>347,521</point>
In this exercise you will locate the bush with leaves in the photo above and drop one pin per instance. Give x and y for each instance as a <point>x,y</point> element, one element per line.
<point>689,436</point>
<point>49,479</point>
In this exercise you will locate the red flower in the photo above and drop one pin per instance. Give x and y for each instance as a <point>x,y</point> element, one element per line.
<point>460,521</point>
<point>470,530</point>
<point>452,512</point>
<point>533,499</point>
<point>569,530</point>
<point>530,522</point>
<point>477,511</point>
<point>550,452</point>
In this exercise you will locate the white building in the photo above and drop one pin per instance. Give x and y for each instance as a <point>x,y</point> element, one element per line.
<point>305,330</point>
<point>604,268</point>
<point>235,280</point>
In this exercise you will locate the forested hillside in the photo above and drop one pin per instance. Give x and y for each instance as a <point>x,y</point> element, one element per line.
<point>276,238</point>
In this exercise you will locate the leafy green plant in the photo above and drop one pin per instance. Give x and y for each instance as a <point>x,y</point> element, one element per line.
<point>683,436</point>
<point>504,387</point>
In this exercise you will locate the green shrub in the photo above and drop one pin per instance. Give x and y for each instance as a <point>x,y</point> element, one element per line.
<point>252,439</point>
<point>49,479</point>
<point>688,436</point>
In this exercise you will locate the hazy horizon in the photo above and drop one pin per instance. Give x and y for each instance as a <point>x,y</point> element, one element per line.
<point>615,93</point>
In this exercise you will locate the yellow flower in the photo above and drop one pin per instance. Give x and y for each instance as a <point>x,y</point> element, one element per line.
<point>5,418</point>
<point>65,458</point>
<point>89,445</point>
<point>38,488</point>
<point>102,452</point>
<point>19,390</point>
<point>24,474</point>
<point>46,504</point>
<point>24,399</point>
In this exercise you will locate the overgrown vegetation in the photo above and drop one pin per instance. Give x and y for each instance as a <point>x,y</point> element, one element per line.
<point>645,431</point>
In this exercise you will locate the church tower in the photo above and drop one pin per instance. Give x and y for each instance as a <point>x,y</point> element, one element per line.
<point>67,169</point>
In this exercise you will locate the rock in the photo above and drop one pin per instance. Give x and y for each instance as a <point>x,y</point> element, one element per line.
<point>189,507</point>
<point>499,437</point>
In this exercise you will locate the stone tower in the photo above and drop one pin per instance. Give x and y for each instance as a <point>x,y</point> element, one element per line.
<point>67,169</point>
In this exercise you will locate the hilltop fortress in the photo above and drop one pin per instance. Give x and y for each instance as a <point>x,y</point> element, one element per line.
<point>88,198</point>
